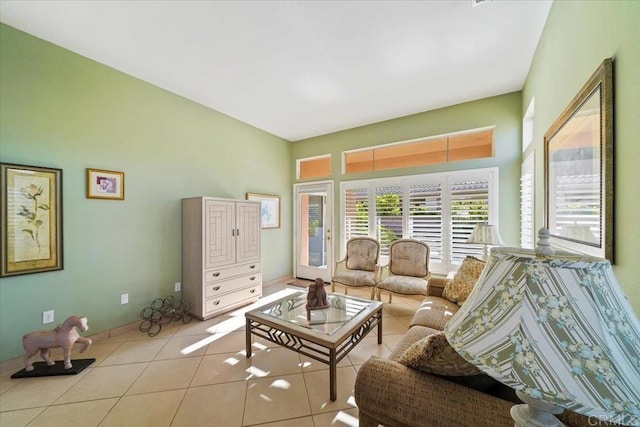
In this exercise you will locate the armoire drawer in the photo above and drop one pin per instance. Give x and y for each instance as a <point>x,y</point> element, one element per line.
<point>231,285</point>
<point>225,300</point>
<point>227,272</point>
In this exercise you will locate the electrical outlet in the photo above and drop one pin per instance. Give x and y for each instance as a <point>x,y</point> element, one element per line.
<point>124,299</point>
<point>177,286</point>
<point>47,317</point>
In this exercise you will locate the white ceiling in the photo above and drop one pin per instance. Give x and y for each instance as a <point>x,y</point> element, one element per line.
<point>299,69</point>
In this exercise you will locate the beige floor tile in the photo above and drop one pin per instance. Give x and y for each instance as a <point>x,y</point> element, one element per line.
<point>276,398</point>
<point>37,392</point>
<point>393,325</point>
<point>19,418</point>
<point>184,346</point>
<point>398,309</point>
<point>152,409</point>
<point>308,364</point>
<point>221,368</point>
<point>317,384</point>
<point>344,418</point>
<point>228,324</point>
<point>103,383</point>
<point>166,331</point>
<point>294,422</point>
<point>367,348</point>
<point>226,342</point>
<point>196,327</point>
<point>273,362</point>
<point>6,383</point>
<point>74,414</point>
<point>135,352</point>
<point>164,375</point>
<point>224,406</point>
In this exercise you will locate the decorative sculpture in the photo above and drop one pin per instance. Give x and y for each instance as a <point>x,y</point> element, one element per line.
<point>317,296</point>
<point>64,335</point>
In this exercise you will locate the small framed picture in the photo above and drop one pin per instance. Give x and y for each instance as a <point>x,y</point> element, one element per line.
<point>270,210</point>
<point>102,184</point>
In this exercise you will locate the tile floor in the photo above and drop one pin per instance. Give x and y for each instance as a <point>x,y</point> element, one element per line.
<point>197,375</point>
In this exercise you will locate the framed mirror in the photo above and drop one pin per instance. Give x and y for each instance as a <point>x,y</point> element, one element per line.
<point>578,157</point>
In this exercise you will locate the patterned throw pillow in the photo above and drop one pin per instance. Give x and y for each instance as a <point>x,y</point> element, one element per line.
<point>459,288</point>
<point>434,354</point>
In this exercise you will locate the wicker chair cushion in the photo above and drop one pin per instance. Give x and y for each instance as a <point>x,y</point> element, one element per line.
<point>355,278</point>
<point>434,354</point>
<point>362,254</point>
<point>459,288</point>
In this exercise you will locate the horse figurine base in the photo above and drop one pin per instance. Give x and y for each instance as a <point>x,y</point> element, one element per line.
<point>64,335</point>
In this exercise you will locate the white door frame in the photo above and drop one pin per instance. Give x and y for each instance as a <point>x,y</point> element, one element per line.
<point>329,217</point>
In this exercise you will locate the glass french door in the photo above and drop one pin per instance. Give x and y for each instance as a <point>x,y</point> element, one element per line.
<point>314,225</point>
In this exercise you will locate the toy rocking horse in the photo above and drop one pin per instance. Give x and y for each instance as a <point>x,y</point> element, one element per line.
<point>64,335</point>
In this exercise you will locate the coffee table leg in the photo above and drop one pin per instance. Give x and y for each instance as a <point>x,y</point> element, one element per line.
<point>248,343</point>
<point>380,328</point>
<point>333,393</point>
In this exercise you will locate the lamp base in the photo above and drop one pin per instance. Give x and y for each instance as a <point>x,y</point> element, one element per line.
<point>535,413</point>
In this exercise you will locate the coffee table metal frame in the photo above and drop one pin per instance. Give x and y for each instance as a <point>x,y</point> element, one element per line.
<point>323,347</point>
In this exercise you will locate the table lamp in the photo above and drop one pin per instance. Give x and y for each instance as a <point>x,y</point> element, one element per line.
<point>558,329</point>
<point>485,234</point>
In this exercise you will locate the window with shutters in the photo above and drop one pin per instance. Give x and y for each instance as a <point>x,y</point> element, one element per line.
<point>439,209</point>
<point>355,208</point>
<point>527,232</point>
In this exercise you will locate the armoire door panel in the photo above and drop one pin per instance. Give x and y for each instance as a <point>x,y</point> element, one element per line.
<point>248,228</point>
<point>219,235</point>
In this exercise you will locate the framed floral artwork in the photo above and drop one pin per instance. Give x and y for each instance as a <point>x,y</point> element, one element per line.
<point>103,184</point>
<point>270,209</point>
<point>31,204</point>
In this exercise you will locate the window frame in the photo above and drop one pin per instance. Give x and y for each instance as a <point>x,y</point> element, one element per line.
<point>446,264</point>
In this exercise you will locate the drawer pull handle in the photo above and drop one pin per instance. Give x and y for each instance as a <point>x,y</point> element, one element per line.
<point>217,302</point>
<point>252,290</point>
<point>217,288</point>
<point>215,274</point>
<point>252,266</point>
<point>252,278</point>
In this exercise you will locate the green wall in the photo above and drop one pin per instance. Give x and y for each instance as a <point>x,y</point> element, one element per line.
<point>577,37</point>
<point>61,110</point>
<point>503,112</point>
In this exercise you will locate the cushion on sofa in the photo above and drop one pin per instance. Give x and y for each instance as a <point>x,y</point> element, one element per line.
<point>434,354</point>
<point>459,288</point>
<point>434,312</point>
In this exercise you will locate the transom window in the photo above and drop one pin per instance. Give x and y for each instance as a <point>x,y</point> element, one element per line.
<point>476,144</point>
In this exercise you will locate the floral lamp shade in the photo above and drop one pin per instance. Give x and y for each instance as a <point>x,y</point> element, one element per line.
<point>556,328</point>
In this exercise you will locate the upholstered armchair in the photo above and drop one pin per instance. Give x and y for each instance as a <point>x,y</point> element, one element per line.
<point>359,266</point>
<point>407,272</point>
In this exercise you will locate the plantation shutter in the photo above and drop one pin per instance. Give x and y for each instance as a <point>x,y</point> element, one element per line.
<point>527,236</point>
<point>388,216</point>
<point>425,217</point>
<point>469,206</point>
<point>356,213</point>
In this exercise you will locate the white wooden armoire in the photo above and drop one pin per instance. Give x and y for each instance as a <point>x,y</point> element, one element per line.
<point>220,254</point>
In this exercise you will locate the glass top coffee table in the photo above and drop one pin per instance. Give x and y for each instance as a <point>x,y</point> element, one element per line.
<point>326,335</point>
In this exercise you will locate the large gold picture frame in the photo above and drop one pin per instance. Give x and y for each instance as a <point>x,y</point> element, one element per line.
<point>578,157</point>
<point>31,205</point>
